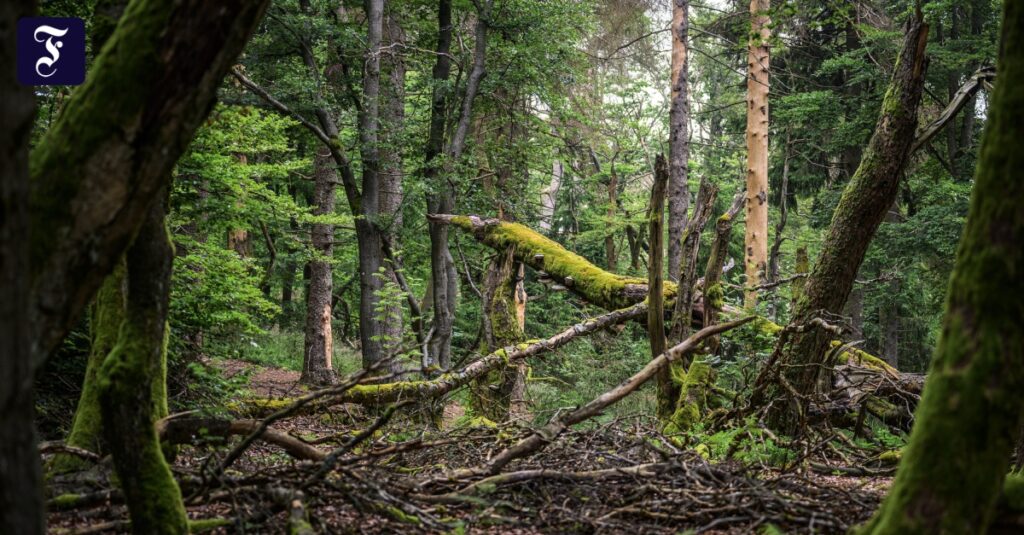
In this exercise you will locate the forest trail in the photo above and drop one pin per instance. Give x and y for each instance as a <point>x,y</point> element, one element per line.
<point>263,381</point>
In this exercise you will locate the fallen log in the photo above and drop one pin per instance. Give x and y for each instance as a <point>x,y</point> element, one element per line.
<point>597,286</point>
<point>543,436</point>
<point>189,430</point>
<point>431,388</point>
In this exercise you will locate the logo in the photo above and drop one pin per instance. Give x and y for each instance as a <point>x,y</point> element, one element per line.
<point>51,51</point>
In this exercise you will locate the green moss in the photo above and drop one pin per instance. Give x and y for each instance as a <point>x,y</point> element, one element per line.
<point>715,296</point>
<point>1013,492</point>
<point>400,515</point>
<point>106,316</point>
<point>891,456</point>
<point>153,497</point>
<point>122,79</point>
<point>862,358</point>
<point>208,524</point>
<point>694,397</point>
<point>65,501</point>
<point>767,326</point>
<point>593,283</point>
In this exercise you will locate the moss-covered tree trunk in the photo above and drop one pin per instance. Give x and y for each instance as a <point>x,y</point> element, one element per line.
<point>502,393</point>
<point>126,385</point>
<point>104,326</point>
<point>953,468</point>
<point>861,209</point>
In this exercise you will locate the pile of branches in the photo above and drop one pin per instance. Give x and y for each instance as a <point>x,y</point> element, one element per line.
<point>619,476</point>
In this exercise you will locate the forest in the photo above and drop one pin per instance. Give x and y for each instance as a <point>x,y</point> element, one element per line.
<point>514,266</point>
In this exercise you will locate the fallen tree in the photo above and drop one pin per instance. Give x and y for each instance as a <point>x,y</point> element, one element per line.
<point>599,287</point>
<point>539,438</point>
<point>410,390</point>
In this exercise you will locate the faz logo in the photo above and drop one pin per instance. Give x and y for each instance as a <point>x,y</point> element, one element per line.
<point>51,51</point>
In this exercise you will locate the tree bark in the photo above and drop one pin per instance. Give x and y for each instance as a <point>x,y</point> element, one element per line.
<point>953,468</point>
<point>318,345</point>
<point>104,324</point>
<point>502,394</point>
<point>443,285</point>
<point>95,174</point>
<point>127,380</point>
<point>667,392</point>
<point>21,496</point>
<point>714,296</point>
<point>130,122</point>
<point>391,193</point>
<point>756,238</point>
<point>444,276</point>
<point>549,196</point>
<point>371,256</point>
<point>683,312</point>
<point>678,141</point>
<point>861,210</point>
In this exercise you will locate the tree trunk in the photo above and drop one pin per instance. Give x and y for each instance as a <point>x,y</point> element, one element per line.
<point>318,346</point>
<point>444,276</point>
<point>678,141</point>
<point>442,267</point>
<point>610,255</point>
<point>683,313</point>
<point>391,195</point>
<point>549,196</point>
<point>668,392</point>
<point>953,468</point>
<point>714,295</point>
<point>104,325</point>
<point>129,122</point>
<point>756,238</point>
<point>21,493</point>
<point>889,321</point>
<point>863,206</point>
<point>371,256</point>
<point>502,393</point>
<point>127,380</point>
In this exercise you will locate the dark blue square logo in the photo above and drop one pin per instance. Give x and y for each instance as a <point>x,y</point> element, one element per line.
<point>51,51</point>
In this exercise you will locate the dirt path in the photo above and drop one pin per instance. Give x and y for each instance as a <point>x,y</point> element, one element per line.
<point>264,382</point>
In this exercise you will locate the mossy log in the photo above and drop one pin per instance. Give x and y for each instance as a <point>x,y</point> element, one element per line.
<point>597,286</point>
<point>604,289</point>
<point>390,392</point>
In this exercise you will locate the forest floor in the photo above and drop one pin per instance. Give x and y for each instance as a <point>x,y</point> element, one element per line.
<point>620,476</point>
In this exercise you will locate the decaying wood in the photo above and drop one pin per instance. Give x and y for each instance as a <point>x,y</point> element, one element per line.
<point>189,430</point>
<point>655,278</point>
<point>548,433</point>
<point>409,390</point>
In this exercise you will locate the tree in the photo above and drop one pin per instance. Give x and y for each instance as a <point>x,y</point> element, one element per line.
<point>95,175</point>
<point>126,384</point>
<point>953,468</point>
<point>678,141</point>
<point>756,237</point>
<point>318,346</point>
<point>865,201</point>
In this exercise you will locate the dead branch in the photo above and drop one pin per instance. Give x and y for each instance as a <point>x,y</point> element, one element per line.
<point>189,430</point>
<point>545,435</point>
